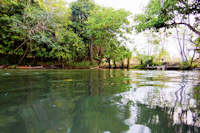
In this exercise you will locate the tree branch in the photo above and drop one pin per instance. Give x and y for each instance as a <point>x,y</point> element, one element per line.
<point>20,45</point>
<point>189,26</point>
<point>194,52</point>
<point>24,53</point>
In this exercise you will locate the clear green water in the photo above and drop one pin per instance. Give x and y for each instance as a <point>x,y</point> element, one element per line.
<point>99,101</point>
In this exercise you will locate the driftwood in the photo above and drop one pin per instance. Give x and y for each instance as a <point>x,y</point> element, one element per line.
<point>163,67</point>
<point>55,67</point>
<point>33,67</point>
<point>96,68</point>
<point>173,67</point>
<point>3,66</point>
<point>196,69</point>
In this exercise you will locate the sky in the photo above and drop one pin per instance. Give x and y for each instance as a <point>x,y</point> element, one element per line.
<point>132,6</point>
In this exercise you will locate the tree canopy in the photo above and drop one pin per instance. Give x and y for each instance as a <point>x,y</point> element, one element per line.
<point>169,13</point>
<point>52,30</point>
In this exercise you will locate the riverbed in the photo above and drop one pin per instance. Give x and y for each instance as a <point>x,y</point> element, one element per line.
<point>99,101</point>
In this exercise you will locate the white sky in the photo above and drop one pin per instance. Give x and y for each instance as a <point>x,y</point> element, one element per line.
<point>132,6</point>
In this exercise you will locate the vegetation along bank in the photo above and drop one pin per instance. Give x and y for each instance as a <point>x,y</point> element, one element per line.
<point>54,34</point>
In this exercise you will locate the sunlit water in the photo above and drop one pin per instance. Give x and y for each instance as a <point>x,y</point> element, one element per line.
<point>99,101</point>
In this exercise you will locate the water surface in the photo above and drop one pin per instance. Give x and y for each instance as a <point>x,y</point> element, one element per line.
<point>99,101</point>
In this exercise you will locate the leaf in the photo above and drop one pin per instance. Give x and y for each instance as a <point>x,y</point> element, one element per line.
<point>68,79</point>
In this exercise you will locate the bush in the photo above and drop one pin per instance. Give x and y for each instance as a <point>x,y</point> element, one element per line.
<point>184,66</point>
<point>195,65</point>
<point>83,64</point>
<point>146,60</point>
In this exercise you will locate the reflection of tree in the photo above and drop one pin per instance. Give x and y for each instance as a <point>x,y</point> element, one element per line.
<point>161,111</point>
<point>95,101</point>
<point>97,115</point>
<point>99,112</point>
<point>152,79</point>
<point>183,112</point>
<point>159,120</point>
<point>180,117</point>
<point>85,103</point>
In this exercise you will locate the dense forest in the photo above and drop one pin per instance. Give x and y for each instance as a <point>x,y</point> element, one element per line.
<point>35,31</point>
<point>82,33</point>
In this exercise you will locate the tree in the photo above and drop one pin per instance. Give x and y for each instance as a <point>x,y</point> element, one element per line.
<point>128,55</point>
<point>106,23</point>
<point>11,36</point>
<point>47,30</point>
<point>112,52</point>
<point>35,28</point>
<point>152,42</point>
<point>80,13</point>
<point>163,38</point>
<point>157,43</point>
<point>169,14</point>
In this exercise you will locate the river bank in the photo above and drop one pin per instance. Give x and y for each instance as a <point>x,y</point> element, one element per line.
<point>163,67</point>
<point>168,65</point>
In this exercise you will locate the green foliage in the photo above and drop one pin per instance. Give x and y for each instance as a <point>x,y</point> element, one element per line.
<point>105,26</point>
<point>184,66</point>
<point>4,60</point>
<point>48,29</point>
<point>163,54</point>
<point>145,60</point>
<point>197,92</point>
<point>83,64</point>
<point>170,14</point>
<point>11,35</point>
<point>79,15</point>
<point>149,18</point>
<point>195,65</point>
<point>105,23</point>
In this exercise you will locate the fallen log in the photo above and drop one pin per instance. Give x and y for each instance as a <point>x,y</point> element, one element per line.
<point>55,67</point>
<point>32,67</point>
<point>3,66</point>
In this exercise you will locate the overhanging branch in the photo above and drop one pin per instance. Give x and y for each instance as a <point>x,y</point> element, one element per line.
<point>189,26</point>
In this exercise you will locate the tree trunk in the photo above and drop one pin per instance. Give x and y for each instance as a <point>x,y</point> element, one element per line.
<point>14,58</point>
<point>184,45</point>
<point>192,58</point>
<point>122,64</point>
<point>115,65</point>
<point>61,61</point>
<point>24,54</point>
<point>91,49</point>
<point>35,60</point>
<point>128,64</point>
<point>194,52</point>
<point>180,47</point>
<point>109,63</point>
<point>99,54</point>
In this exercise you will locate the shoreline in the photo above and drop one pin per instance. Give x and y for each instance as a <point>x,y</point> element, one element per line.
<point>58,67</point>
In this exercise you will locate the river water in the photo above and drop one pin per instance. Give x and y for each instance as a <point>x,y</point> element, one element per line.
<point>99,101</point>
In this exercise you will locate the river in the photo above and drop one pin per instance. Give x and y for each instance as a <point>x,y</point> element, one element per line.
<point>99,101</point>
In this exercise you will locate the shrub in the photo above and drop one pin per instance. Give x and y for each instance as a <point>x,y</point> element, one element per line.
<point>83,64</point>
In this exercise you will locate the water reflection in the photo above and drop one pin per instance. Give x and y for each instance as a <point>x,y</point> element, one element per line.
<point>161,107</point>
<point>96,101</point>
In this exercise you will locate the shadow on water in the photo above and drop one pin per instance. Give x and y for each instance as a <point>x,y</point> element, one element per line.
<point>97,101</point>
